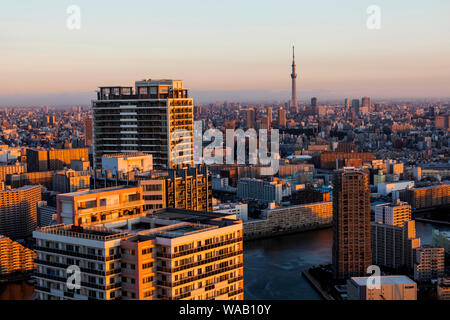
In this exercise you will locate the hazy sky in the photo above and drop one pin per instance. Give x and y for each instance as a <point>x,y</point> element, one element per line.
<point>225,49</point>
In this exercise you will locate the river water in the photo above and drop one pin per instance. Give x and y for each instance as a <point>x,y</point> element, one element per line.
<point>272,267</point>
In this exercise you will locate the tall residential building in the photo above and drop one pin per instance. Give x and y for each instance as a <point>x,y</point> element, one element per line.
<point>429,263</point>
<point>294,103</point>
<point>99,205</point>
<point>170,255</point>
<point>156,117</point>
<point>18,211</point>
<point>313,102</point>
<point>391,288</point>
<point>282,118</point>
<point>352,253</point>
<point>394,214</point>
<point>15,257</point>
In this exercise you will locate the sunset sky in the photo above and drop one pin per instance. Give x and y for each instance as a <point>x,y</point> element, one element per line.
<point>225,49</point>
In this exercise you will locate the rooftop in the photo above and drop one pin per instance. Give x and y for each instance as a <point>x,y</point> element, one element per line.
<point>362,281</point>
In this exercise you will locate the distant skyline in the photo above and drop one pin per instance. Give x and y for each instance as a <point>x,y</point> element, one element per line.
<point>233,50</point>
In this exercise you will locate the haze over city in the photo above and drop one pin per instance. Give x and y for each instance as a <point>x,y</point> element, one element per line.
<point>232,50</point>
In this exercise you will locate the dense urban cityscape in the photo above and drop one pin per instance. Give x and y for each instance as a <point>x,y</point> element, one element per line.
<point>146,193</point>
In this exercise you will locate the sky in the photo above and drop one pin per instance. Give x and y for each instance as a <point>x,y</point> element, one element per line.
<point>233,50</point>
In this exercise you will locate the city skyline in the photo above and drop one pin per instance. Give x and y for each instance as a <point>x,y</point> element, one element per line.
<point>337,55</point>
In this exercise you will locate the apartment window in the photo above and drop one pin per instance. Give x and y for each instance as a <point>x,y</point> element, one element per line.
<point>147,265</point>
<point>146,251</point>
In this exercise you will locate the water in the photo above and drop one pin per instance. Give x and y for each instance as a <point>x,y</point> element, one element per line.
<point>272,267</point>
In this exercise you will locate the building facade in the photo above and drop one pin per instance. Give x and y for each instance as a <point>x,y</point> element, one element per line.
<point>18,211</point>
<point>172,255</point>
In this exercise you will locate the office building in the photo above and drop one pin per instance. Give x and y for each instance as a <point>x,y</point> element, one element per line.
<point>330,160</point>
<point>155,118</point>
<point>170,255</point>
<point>391,288</point>
<point>351,253</point>
<point>18,211</point>
<point>53,159</point>
<point>189,188</point>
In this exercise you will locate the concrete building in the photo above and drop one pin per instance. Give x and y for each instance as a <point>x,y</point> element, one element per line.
<point>386,188</point>
<point>267,191</point>
<point>284,220</point>
<point>18,211</point>
<point>393,246</point>
<point>352,252</point>
<point>46,215</point>
<point>44,178</point>
<point>330,160</point>
<point>53,159</point>
<point>66,181</point>
<point>99,205</point>
<point>427,197</point>
<point>394,214</point>
<point>391,288</point>
<point>429,263</point>
<point>170,255</point>
<point>11,169</point>
<point>148,118</point>
<point>14,257</point>
<point>240,210</point>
